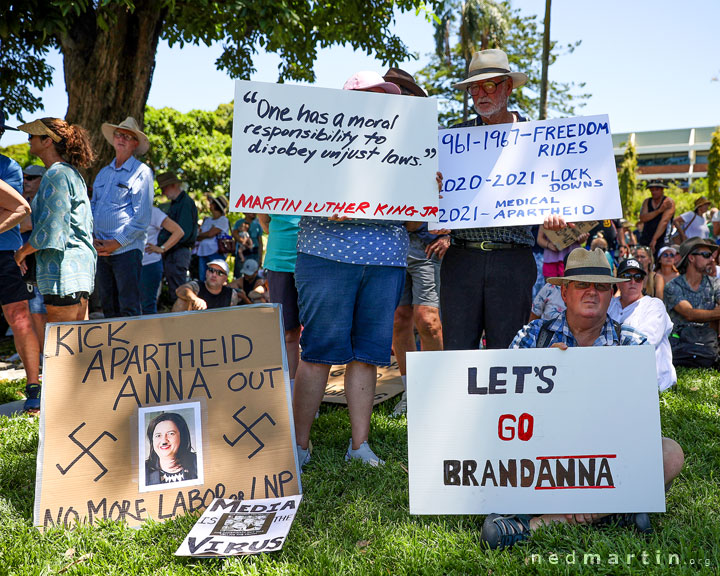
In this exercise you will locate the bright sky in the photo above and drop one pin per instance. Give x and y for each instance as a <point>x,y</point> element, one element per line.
<point>649,64</point>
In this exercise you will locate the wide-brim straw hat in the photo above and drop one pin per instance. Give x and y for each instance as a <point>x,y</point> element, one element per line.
<point>39,128</point>
<point>167,178</point>
<point>701,201</point>
<point>490,64</point>
<point>587,266</point>
<point>131,125</point>
<point>689,246</point>
<point>221,202</point>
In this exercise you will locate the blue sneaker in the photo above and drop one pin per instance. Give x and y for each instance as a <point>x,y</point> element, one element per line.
<point>505,531</point>
<point>364,453</point>
<point>303,455</point>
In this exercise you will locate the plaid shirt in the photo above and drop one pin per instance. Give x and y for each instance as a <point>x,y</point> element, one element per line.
<point>527,336</point>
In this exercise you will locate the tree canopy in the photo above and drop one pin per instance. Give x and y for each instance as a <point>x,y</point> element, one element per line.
<point>494,24</point>
<point>109,46</point>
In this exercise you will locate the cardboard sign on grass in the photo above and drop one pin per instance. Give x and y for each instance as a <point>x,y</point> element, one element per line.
<point>154,417</point>
<point>534,431</point>
<point>241,527</point>
<point>518,174</point>
<point>320,152</point>
<point>389,384</point>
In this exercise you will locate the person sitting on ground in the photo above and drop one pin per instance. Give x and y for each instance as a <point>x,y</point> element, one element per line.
<point>213,293</point>
<point>693,303</point>
<point>586,289</point>
<point>251,282</point>
<point>665,265</point>
<point>654,285</point>
<point>647,315</point>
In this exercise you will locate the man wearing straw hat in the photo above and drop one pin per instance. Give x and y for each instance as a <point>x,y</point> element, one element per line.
<point>485,268</point>
<point>587,288</point>
<point>121,206</point>
<point>693,224</point>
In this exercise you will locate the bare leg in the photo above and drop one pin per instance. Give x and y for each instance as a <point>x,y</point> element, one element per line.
<point>360,379</point>
<point>403,341</point>
<point>39,321</point>
<point>292,346</point>
<point>427,321</point>
<point>65,313</point>
<point>17,315</point>
<point>310,382</point>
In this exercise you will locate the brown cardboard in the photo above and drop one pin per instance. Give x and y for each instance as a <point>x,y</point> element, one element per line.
<point>95,381</point>
<point>389,384</point>
<point>567,236</point>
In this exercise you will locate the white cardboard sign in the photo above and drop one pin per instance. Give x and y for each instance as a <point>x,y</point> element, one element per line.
<point>518,174</point>
<point>241,527</point>
<point>534,431</point>
<point>320,152</point>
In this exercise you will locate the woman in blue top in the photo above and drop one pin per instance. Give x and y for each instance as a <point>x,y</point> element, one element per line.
<point>62,219</point>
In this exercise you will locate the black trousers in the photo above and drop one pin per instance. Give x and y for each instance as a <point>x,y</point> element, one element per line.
<point>487,292</point>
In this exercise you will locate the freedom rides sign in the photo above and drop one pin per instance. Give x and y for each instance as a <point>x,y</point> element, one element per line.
<point>519,174</point>
<point>319,152</point>
<point>534,431</point>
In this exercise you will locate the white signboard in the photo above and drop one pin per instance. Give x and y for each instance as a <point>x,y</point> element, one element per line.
<point>321,152</point>
<point>240,527</point>
<point>513,174</point>
<point>534,431</point>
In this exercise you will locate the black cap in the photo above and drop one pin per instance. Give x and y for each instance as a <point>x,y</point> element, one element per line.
<point>630,264</point>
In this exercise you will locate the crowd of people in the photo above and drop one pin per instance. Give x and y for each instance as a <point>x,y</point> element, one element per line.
<point>353,290</point>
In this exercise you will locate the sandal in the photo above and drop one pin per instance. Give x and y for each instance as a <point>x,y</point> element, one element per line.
<point>32,395</point>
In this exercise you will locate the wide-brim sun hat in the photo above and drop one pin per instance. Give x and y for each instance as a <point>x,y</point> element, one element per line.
<point>131,125</point>
<point>701,201</point>
<point>404,80</point>
<point>488,64</point>
<point>586,266</point>
<point>366,80</point>
<point>687,248</point>
<point>221,202</point>
<point>167,178</point>
<point>39,128</point>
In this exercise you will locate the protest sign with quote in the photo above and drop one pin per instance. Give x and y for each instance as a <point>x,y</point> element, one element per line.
<point>241,527</point>
<point>115,392</point>
<point>515,174</point>
<point>319,152</point>
<point>534,431</point>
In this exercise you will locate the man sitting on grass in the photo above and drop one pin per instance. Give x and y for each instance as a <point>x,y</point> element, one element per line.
<point>213,293</point>
<point>586,288</point>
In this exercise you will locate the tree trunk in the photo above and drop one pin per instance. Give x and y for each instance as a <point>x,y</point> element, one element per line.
<point>545,63</point>
<point>108,72</point>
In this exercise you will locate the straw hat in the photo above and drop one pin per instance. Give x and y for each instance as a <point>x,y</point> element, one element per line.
<point>490,64</point>
<point>131,125</point>
<point>587,266</point>
<point>688,247</point>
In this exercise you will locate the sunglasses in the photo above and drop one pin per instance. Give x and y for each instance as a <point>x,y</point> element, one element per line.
<point>703,254</point>
<point>667,255</point>
<point>637,277</point>
<point>489,87</point>
<point>216,271</point>
<point>123,136</point>
<point>30,178</point>
<point>600,287</point>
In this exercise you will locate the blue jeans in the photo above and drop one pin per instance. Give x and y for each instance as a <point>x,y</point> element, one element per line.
<point>150,278</point>
<point>346,310</point>
<point>203,262</point>
<point>118,279</point>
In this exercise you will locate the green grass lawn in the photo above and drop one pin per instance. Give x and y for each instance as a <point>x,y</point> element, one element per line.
<point>354,519</point>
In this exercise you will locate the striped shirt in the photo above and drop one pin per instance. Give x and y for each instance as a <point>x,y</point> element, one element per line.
<point>122,204</point>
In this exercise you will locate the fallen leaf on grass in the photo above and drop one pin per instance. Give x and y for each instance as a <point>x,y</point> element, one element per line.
<point>694,388</point>
<point>78,561</point>
<point>362,544</point>
<point>406,470</point>
<point>69,553</point>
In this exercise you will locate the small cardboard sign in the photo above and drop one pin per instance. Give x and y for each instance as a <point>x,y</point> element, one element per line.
<point>154,417</point>
<point>534,431</point>
<point>518,174</point>
<point>568,236</point>
<point>241,527</point>
<point>389,384</point>
<point>319,152</point>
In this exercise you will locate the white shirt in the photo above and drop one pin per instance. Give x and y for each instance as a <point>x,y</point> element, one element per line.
<point>209,246</point>
<point>648,315</point>
<point>156,219</point>
<point>695,227</point>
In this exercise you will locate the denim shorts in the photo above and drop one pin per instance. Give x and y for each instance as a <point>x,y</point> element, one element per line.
<point>346,310</point>
<point>37,304</point>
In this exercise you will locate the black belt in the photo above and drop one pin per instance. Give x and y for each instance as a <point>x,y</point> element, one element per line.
<point>486,246</point>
